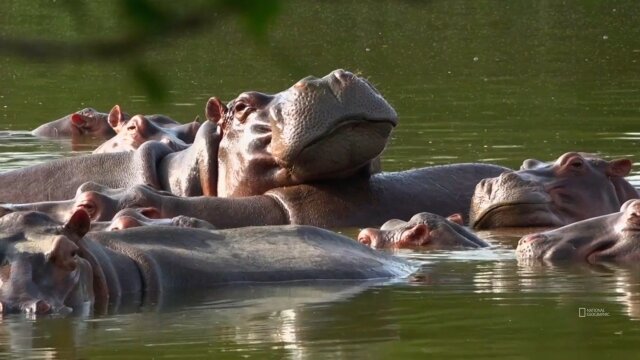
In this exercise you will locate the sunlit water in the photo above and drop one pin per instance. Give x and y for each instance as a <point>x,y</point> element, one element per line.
<point>472,81</point>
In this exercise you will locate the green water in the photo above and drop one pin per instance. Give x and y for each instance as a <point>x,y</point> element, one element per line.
<point>490,81</point>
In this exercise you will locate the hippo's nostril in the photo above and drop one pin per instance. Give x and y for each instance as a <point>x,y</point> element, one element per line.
<point>365,240</point>
<point>38,307</point>
<point>343,76</point>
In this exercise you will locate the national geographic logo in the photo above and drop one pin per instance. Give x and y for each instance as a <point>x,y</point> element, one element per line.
<point>592,312</point>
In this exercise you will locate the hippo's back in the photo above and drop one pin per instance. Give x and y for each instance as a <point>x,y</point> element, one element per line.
<point>194,257</point>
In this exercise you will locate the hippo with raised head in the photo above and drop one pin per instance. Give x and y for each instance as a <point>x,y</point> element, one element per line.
<point>303,156</point>
<point>90,123</point>
<point>134,132</point>
<point>575,187</point>
<point>424,231</point>
<point>52,267</point>
<point>612,237</point>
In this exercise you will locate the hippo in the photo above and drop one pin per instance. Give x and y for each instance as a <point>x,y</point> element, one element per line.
<point>424,231</point>
<point>139,129</point>
<point>91,123</point>
<point>607,238</point>
<point>130,218</point>
<point>327,128</point>
<point>51,267</point>
<point>306,155</point>
<point>575,187</point>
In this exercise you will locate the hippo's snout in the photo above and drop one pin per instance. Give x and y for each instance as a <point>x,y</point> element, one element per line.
<point>529,246</point>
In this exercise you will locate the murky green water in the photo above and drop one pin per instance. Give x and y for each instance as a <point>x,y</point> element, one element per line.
<point>484,81</point>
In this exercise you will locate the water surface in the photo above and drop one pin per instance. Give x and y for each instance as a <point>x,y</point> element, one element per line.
<point>484,81</point>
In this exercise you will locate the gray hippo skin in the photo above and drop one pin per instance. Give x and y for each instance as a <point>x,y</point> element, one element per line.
<point>89,122</point>
<point>49,267</point>
<point>362,201</point>
<point>133,132</point>
<point>425,231</point>
<point>608,238</point>
<point>575,187</point>
<point>328,128</point>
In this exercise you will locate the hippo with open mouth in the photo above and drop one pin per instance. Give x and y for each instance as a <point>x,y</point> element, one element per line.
<point>608,238</point>
<point>575,187</point>
<point>49,267</point>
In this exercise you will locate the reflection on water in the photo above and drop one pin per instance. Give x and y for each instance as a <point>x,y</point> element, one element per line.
<point>471,81</point>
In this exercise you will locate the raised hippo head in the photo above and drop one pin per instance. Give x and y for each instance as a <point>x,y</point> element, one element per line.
<point>612,237</point>
<point>423,230</point>
<point>330,127</point>
<point>133,132</point>
<point>85,122</point>
<point>41,269</point>
<point>575,187</point>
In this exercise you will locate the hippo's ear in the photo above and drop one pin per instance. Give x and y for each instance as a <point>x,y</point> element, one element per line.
<point>456,218</point>
<point>215,110</point>
<point>116,118</point>
<point>197,119</point>
<point>79,223</point>
<point>4,210</point>
<point>415,236</point>
<point>619,167</point>
<point>78,120</point>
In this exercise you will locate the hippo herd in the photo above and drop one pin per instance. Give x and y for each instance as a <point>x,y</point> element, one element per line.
<point>243,197</point>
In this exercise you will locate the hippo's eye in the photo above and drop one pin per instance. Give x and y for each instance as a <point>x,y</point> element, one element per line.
<point>89,207</point>
<point>239,107</point>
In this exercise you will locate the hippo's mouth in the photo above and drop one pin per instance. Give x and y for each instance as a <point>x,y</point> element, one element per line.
<point>592,252</point>
<point>352,121</point>
<point>516,214</point>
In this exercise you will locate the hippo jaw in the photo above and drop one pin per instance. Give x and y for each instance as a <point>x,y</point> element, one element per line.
<point>330,126</point>
<point>318,129</point>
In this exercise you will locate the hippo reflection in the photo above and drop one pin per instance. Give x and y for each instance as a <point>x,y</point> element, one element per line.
<point>612,237</point>
<point>575,187</point>
<point>52,267</point>
<point>423,230</point>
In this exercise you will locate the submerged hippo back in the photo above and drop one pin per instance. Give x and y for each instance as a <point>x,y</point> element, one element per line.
<point>180,258</point>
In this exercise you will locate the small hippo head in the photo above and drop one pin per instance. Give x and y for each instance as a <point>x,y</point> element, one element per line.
<point>612,237</point>
<point>41,271</point>
<point>576,186</point>
<point>424,230</point>
<point>86,122</point>
<point>131,133</point>
<point>318,129</point>
<point>150,216</point>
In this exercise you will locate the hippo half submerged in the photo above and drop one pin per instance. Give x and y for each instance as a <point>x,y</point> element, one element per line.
<point>52,267</point>
<point>608,238</point>
<point>575,187</point>
<point>307,155</point>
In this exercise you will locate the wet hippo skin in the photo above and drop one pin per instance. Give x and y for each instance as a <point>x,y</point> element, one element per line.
<point>135,131</point>
<point>425,231</point>
<point>91,123</point>
<point>328,128</point>
<point>575,187</point>
<point>609,238</point>
<point>49,267</point>
<point>359,201</point>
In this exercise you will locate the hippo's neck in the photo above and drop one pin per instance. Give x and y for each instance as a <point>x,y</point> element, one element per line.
<point>191,172</point>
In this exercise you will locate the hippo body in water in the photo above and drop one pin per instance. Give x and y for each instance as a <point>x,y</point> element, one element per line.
<point>135,131</point>
<point>302,156</point>
<point>609,238</point>
<point>89,122</point>
<point>424,231</point>
<point>575,187</point>
<point>49,267</point>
